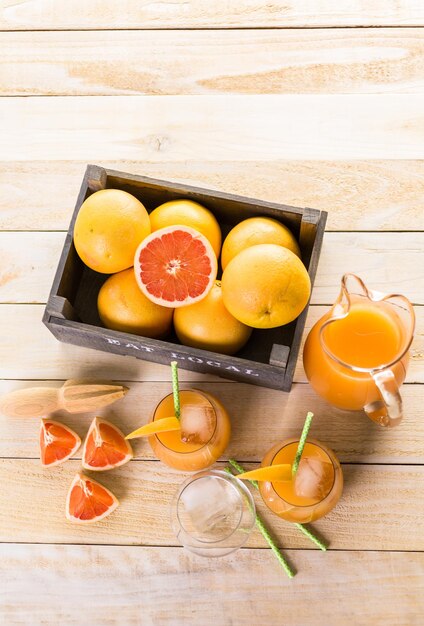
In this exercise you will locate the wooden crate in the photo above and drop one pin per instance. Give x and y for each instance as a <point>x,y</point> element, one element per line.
<point>269,357</point>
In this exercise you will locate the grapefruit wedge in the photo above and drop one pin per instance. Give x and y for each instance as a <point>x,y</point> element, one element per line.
<point>88,501</point>
<point>158,426</point>
<point>272,473</point>
<point>105,447</point>
<point>57,442</point>
<point>175,266</point>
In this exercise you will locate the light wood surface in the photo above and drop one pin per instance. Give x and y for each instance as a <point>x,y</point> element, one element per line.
<point>375,498</point>
<point>108,14</point>
<point>227,128</point>
<point>387,60</point>
<point>283,101</point>
<point>359,195</point>
<point>153,586</point>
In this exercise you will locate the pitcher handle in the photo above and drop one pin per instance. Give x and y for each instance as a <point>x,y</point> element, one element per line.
<point>388,411</point>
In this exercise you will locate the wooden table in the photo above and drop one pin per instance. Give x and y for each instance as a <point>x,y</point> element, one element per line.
<point>284,101</point>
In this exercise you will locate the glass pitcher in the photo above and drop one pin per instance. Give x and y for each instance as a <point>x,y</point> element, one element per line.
<point>356,355</point>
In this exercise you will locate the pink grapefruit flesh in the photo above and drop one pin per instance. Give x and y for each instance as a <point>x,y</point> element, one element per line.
<point>57,442</point>
<point>88,501</point>
<point>105,447</point>
<point>175,266</point>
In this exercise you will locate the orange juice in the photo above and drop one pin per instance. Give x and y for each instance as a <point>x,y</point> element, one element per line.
<point>189,456</point>
<point>283,498</point>
<point>370,336</point>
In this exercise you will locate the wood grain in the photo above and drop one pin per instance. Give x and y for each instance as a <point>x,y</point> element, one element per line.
<point>181,128</point>
<point>37,14</point>
<point>359,195</point>
<point>325,117</point>
<point>260,417</point>
<point>375,512</point>
<point>29,351</point>
<point>212,62</point>
<point>117,585</point>
<point>386,261</point>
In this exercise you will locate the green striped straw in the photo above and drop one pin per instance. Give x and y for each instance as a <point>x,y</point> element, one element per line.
<point>175,389</point>
<point>310,535</point>
<point>302,442</point>
<point>265,532</point>
<point>306,531</point>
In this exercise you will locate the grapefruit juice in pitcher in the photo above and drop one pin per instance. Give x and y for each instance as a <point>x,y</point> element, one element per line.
<point>356,355</point>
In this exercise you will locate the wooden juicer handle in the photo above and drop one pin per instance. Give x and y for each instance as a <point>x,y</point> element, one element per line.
<point>75,396</point>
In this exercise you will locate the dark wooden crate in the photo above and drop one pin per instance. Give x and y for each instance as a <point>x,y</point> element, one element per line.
<point>268,359</point>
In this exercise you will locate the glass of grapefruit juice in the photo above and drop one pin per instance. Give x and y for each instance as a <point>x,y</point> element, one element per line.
<point>356,355</point>
<point>204,416</point>
<point>315,489</point>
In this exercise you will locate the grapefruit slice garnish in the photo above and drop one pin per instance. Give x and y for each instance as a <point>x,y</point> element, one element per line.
<point>88,501</point>
<point>105,447</point>
<point>271,473</point>
<point>163,425</point>
<point>175,266</point>
<point>57,442</point>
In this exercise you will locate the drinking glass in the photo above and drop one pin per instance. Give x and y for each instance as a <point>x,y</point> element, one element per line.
<point>213,513</point>
<point>191,456</point>
<point>282,497</point>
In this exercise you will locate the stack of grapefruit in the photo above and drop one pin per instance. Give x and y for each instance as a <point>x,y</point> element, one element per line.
<point>164,267</point>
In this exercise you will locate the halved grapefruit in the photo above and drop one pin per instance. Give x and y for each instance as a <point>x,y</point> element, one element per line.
<point>88,501</point>
<point>105,447</point>
<point>175,266</point>
<point>57,442</point>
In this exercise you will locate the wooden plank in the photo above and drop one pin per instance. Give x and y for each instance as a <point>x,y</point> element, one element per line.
<point>212,62</point>
<point>359,195</point>
<point>181,128</point>
<point>375,512</point>
<point>260,417</point>
<point>29,264</point>
<point>26,342</point>
<point>107,14</point>
<point>386,261</point>
<point>117,585</point>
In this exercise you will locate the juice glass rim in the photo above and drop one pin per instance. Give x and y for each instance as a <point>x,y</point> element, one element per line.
<point>324,448</point>
<point>204,444</point>
<point>373,296</point>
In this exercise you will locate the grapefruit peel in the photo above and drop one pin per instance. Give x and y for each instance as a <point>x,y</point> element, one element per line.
<point>272,473</point>
<point>163,425</point>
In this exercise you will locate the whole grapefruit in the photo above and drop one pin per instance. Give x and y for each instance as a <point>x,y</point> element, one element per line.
<point>265,286</point>
<point>122,306</point>
<point>254,231</point>
<point>188,213</point>
<point>109,226</point>
<point>208,325</point>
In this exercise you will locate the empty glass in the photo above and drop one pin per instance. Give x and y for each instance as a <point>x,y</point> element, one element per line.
<point>213,513</point>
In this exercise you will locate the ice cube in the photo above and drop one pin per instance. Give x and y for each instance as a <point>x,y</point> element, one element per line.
<point>198,422</point>
<point>208,502</point>
<point>314,478</point>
